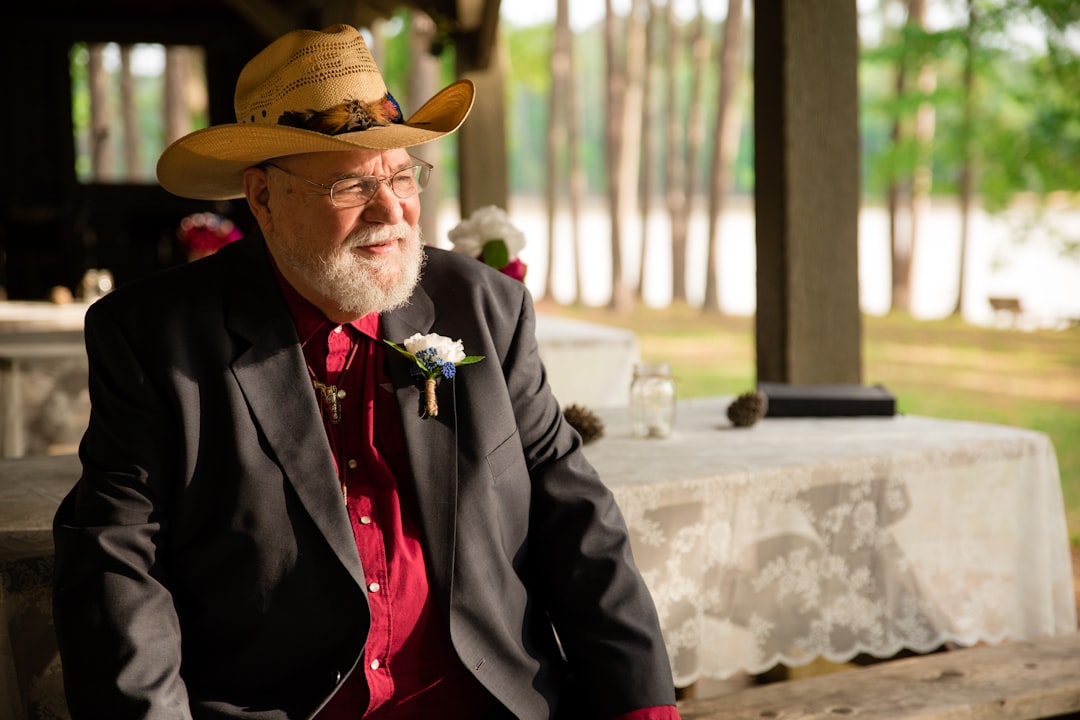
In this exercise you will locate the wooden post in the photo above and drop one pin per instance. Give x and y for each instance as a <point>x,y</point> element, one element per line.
<point>806,134</point>
<point>482,164</point>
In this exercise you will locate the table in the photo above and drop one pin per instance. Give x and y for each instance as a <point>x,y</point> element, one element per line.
<point>805,538</point>
<point>30,674</point>
<point>780,543</point>
<point>41,316</point>
<point>587,363</point>
<point>43,398</point>
<point>45,404</point>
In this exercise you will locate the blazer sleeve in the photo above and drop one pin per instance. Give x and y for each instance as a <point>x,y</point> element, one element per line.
<point>600,607</point>
<point>116,624</point>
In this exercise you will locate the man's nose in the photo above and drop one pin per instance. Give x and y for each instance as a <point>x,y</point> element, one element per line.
<point>384,206</point>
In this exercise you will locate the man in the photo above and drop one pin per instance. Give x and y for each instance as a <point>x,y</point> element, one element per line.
<point>275,519</point>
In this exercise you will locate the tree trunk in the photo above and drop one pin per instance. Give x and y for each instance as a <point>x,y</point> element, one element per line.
<point>101,165</point>
<point>675,189</point>
<point>967,163</point>
<point>130,115</point>
<point>905,246</point>
<point>900,295</point>
<point>695,136</point>
<point>725,147</point>
<point>648,115</point>
<point>616,103</point>
<point>423,78</point>
<point>899,241</point>
<point>556,135</point>
<point>578,185</point>
<point>612,143</point>
<point>633,99</point>
<point>177,77</point>
<point>922,177</point>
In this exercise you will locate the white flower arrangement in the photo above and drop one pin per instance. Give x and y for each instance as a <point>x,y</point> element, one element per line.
<point>436,357</point>
<point>488,235</point>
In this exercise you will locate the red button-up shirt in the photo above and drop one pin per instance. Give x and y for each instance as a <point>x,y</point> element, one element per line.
<point>409,670</point>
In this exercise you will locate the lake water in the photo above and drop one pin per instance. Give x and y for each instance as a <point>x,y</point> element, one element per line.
<point>1004,259</point>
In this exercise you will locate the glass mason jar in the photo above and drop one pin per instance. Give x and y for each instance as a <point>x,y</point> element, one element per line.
<point>652,400</point>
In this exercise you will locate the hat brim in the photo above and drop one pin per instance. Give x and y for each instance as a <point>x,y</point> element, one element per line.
<point>209,164</point>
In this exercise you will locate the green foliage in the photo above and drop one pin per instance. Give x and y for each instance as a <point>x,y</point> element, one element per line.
<point>530,58</point>
<point>80,106</point>
<point>395,58</point>
<point>528,85</point>
<point>1025,131</point>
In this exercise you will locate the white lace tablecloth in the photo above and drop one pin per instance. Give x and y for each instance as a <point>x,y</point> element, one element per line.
<point>779,543</point>
<point>800,538</point>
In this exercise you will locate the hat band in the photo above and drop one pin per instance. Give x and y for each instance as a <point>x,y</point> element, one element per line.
<point>349,116</point>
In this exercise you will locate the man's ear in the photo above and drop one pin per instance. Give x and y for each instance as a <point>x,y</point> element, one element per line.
<point>258,195</point>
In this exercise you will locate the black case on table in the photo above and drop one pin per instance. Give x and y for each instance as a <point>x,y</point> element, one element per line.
<point>827,400</point>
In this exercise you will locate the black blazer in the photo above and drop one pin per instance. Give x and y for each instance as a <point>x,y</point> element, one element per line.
<point>206,566</point>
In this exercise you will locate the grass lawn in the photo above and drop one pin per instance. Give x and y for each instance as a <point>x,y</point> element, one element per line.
<point>939,368</point>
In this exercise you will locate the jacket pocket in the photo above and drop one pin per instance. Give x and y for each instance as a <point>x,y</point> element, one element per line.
<point>508,460</point>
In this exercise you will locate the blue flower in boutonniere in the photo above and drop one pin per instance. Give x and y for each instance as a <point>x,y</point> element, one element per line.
<point>436,357</point>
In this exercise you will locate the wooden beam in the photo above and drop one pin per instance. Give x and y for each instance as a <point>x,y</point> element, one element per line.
<point>478,27</point>
<point>358,13</point>
<point>482,169</point>
<point>487,33</point>
<point>268,18</point>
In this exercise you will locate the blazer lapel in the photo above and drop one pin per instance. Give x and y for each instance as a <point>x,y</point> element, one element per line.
<point>431,442</point>
<point>274,379</point>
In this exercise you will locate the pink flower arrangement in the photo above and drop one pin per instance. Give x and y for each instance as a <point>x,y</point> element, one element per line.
<point>205,233</point>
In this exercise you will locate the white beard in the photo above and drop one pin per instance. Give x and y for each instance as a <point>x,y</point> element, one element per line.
<point>362,284</point>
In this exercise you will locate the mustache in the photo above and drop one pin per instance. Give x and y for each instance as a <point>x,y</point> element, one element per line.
<point>381,234</point>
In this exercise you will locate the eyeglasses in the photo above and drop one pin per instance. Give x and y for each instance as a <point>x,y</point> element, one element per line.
<point>356,191</point>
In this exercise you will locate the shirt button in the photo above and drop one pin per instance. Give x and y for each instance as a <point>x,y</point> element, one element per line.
<point>353,464</point>
<point>365,520</point>
<point>373,587</point>
<point>375,664</point>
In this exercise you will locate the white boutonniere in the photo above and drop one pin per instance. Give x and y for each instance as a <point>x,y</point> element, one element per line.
<point>436,358</point>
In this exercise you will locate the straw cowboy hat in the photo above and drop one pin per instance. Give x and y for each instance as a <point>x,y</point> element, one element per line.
<point>308,91</point>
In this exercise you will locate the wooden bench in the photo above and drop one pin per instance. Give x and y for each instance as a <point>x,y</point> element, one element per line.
<point>1016,680</point>
<point>1007,307</point>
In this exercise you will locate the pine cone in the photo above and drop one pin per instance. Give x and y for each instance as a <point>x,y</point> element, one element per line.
<point>588,425</point>
<point>748,408</point>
